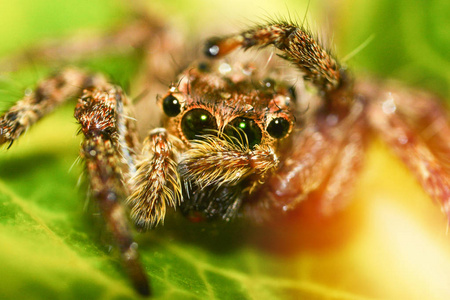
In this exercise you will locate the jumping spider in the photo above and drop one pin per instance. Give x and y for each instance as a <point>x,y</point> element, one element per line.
<point>235,140</point>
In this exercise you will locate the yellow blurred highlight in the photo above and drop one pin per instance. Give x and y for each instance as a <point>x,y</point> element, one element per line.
<point>390,243</point>
<point>403,248</point>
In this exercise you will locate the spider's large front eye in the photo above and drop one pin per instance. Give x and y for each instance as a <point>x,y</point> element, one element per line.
<point>240,126</point>
<point>197,122</point>
<point>278,128</point>
<point>171,106</point>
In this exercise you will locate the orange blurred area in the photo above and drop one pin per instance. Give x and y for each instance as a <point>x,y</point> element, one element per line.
<point>391,242</point>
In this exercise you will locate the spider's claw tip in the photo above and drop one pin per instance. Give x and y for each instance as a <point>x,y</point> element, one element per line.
<point>139,278</point>
<point>144,289</point>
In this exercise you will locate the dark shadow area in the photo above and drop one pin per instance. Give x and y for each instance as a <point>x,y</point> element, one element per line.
<point>301,230</point>
<point>216,236</point>
<point>305,229</point>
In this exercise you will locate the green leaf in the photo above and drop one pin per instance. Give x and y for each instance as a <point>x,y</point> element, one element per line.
<point>410,42</point>
<point>390,243</point>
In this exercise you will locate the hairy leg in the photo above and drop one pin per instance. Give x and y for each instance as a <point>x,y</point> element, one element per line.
<point>49,94</point>
<point>417,129</point>
<point>101,116</point>
<point>134,35</point>
<point>156,183</point>
<point>146,35</point>
<point>297,45</point>
<point>110,143</point>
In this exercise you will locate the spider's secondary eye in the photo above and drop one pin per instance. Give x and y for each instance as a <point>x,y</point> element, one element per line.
<point>171,106</point>
<point>247,126</point>
<point>278,128</point>
<point>196,123</point>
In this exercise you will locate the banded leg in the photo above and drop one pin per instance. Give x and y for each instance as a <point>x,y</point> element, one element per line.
<point>418,130</point>
<point>298,46</point>
<point>49,94</point>
<point>156,183</point>
<point>425,115</point>
<point>136,33</point>
<point>106,150</point>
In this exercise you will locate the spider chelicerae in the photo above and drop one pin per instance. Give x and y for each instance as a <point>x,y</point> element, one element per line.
<point>236,138</point>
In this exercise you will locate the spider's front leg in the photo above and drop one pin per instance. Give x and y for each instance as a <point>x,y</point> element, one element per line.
<point>110,140</point>
<point>156,183</point>
<point>297,45</point>
<point>109,143</point>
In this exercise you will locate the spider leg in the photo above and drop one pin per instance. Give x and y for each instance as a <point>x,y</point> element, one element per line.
<point>49,94</point>
<point>329,151</point>
<point>417,129</point>
<point>121,40</point>
<point>298,46</point>
<point>334,193</point>
<point>140,33</point>
<point>156,183</point>
<point>108,142</point>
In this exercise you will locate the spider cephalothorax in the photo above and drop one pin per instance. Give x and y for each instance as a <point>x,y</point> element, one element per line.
<point>228,123</point>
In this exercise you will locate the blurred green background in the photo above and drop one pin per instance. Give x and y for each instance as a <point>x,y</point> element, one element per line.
<point>47,248</point>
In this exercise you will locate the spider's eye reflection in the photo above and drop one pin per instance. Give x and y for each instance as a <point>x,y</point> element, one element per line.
<point>278,128</point>
<point>196,123</point>
<point>240,126</point>
<point>171,106</point>
<point>268,83</point>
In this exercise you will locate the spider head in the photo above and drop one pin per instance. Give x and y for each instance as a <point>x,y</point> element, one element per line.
<point>224,100</point>
<point>232,122</point>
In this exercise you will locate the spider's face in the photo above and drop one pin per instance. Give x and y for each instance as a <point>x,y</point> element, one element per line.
<point>230,102</point>
<point>229,119</point>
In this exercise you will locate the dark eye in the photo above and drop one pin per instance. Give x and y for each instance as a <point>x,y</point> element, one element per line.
<point>171,106</point>
<point>196,123</point>
<point>278,128</point>
<point>247,126</point>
